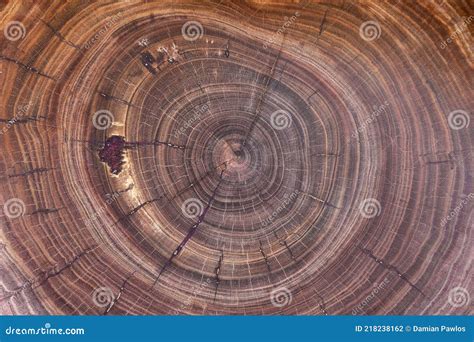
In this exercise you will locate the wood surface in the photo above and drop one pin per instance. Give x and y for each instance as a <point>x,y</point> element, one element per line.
<point>254,158</point>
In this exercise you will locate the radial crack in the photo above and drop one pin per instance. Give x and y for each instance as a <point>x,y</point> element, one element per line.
<point>264,256</point>
<point>217,271</point>
<point>191,231</point>
<point>45,211</point>
<point>26,67</point>
<point>23,120</point>
<point>320,200</point>
<point>390,267</point>
<point>323,22</point>
<point>30,172</point>
<point>44,276</point>
<point>116,298</point>
<point>113,98</point>
<point>59,35</point>
<point>261,98</point>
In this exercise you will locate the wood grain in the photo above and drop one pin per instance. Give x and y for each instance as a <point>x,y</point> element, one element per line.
<point>236,157</point>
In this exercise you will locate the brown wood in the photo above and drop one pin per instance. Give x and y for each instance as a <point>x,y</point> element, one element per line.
<point>216,157</point>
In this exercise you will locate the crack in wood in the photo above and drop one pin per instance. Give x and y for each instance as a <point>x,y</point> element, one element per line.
<point>44,276</point>
<point>191,231</point>
<point>26,67</point>
<point>390,267</point>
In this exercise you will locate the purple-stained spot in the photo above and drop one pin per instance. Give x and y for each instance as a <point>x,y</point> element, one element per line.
<point>113,152</point>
